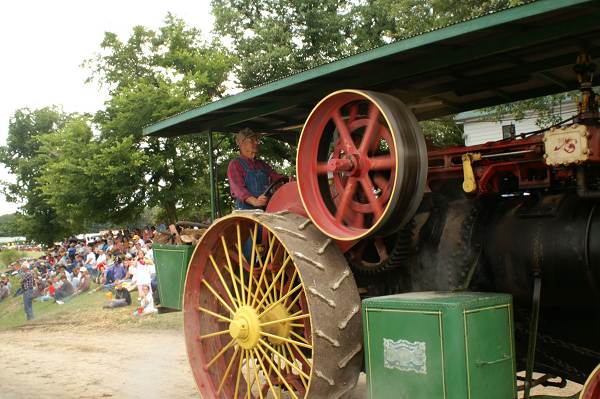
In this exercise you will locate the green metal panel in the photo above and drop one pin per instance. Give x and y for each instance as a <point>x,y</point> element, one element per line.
<point>411,326</point>
<point>520,37</point>
<point>439,345</point>
<point>171,267</point>
<point>489,352</point>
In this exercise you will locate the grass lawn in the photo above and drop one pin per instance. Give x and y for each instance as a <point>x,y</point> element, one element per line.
<point>82,311</point>
<point>10,255</point>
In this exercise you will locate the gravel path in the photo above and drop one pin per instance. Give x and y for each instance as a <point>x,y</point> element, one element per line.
<point>39,363</point>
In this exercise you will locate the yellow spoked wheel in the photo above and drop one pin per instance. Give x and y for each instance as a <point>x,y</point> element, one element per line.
<point>271,310</point>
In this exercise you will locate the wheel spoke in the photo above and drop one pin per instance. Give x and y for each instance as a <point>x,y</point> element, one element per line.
<point>289,284</point>
<point>241,262</point>
<point>382,162</point>
<point>280,300</point>
<point>272,284</point>
<point>358,220</point>
<point>343,207</point>
<point>239,373</point>
<point>213,334</point>
<point>368,189</point>
<point>263,266</point>
<point>282,283</point>
<point>300,337</point>
<point>371,131</point>
<point>304,380</point>
<point>382,251</point>
<point>286,361</point>
<point>257,379</point>
<point>294,348</point>
<point>277,371</point>
<point>264,369</point>
<point>291,341</point>
<point>322,168</point>
<point>300,317</point>
<point>252,259</point>
<point>212,290</point>
<point>248,379</point>
<point>228,369</point>
<point>353,113</point>
<point>214,264</point>
<point>344,131</point>
<point>230,268</point>
<point>218,316</point>
<point>291,305</point>
<point>381,182</point>
<point>218,355</point>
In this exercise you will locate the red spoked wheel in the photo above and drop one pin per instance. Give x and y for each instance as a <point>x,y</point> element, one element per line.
<point>271,311</point>
<point>591,388</point>
<point>361,164</point>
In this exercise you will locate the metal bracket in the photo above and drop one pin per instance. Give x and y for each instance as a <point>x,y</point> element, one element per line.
<point>469,183</point>
<point>533,329</point>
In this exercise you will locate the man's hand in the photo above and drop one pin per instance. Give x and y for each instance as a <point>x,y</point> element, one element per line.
<point>261,201</point>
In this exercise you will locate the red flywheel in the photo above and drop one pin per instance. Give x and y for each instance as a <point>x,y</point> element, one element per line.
<point>591,389</point>
<point>361,164</point>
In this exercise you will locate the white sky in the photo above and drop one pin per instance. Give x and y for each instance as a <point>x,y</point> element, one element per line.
<point>44,43</point>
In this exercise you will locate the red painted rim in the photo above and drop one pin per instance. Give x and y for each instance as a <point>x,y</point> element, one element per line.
<point>356,156</point>
<point>219,379</point>
<point>591,389</point>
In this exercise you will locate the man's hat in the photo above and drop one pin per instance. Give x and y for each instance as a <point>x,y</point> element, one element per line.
<point>244,134</point>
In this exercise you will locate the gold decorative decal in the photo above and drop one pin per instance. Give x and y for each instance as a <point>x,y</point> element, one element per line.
<point>566,145</point>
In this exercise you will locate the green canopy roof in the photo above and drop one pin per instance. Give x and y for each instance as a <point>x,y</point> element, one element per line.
<point>518,53</point>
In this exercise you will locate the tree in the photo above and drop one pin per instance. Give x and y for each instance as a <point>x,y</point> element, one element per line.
<point>11,225</point>
<point>276,38</point>
<point>20,156</point>
<point>151,76</point>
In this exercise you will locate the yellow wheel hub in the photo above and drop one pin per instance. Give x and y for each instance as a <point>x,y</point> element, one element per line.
<point>281,329</point>
<point>245,327</point>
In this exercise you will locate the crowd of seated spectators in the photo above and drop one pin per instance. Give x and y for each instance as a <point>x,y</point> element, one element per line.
<point>117,263</point>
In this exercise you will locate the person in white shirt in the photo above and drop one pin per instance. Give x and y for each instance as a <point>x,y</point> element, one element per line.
<point>142,275</point>
<point>146,302</point>
<point>90,260</point>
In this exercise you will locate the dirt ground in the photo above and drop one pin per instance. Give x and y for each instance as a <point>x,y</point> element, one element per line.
<point>41,363</point>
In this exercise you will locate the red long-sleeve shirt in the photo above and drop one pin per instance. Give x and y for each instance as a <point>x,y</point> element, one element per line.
<point>236,175</point>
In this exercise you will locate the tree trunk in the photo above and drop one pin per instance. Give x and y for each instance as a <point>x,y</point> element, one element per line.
<point>171,211</point>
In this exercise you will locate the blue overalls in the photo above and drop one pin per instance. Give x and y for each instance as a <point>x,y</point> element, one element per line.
<point>256,180</point>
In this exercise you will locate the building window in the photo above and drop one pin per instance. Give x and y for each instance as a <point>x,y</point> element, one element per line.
<point>509,131</point>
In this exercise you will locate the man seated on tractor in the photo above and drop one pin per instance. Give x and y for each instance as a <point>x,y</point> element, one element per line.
<point>248,176</point>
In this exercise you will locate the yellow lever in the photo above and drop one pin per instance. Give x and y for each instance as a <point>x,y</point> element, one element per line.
<point>469,183</point>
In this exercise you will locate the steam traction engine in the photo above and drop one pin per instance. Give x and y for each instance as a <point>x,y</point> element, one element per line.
<point>272,299</point>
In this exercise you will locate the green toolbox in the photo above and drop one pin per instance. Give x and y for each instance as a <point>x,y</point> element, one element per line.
<point>438,345</point>
<point>171,263</point>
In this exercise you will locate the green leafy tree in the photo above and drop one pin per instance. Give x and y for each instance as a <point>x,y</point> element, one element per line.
<point>20,156</point>
<point>153,75</point>
<point>276,38</point>
<point>378,22</point>
<point>11,225</point>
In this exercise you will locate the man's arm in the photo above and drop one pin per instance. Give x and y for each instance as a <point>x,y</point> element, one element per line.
<point>273,175</point>
<point>237,186</point>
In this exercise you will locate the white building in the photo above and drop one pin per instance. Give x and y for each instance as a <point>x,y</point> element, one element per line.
<point>479,127</point>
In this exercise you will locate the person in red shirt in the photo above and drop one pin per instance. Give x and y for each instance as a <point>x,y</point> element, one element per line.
<point>248,176</point>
